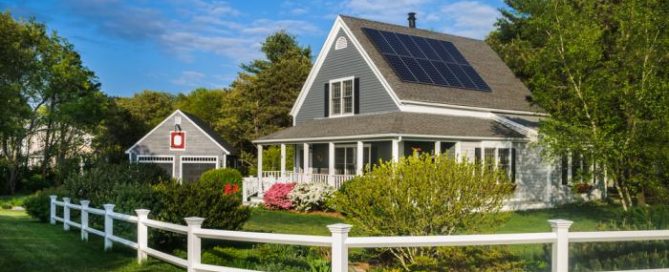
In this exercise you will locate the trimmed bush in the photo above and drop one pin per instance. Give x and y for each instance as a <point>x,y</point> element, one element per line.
<point>227,179</point>
<point>277,196</point>
<point>220,211</point>
<point>38,205</point>
<point>310,196</point>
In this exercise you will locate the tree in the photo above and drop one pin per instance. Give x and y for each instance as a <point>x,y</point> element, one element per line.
<point>599,68</point>
<point>46,90</point>
<point>203,103</point>
<point>260,99</point>
<point>422,195</point>
<point>148,107</point>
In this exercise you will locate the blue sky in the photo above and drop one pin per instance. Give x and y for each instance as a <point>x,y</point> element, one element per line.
<point>177,46</point>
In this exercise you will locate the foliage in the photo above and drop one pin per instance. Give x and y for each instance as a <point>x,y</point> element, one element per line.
<point>277,196</point>
<point>260,99</point>
<point>626,255</point>
<point>599,69</point>
<point>219,178</point>
<point>420,195</point>
<point>128,186</point>
<point>46,96</point>
<point>38,205</point>
<point>8,202</point>
<point>477,258</point>
<point>582,188</point>
<point>268,257</point>
<point>203,103</point>
<point>310,196</point>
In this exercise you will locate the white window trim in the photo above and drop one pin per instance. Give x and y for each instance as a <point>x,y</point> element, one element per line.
<point>497,145</point>
<point>341,98</point>
<point>355,146</point>
<point>159,161</point>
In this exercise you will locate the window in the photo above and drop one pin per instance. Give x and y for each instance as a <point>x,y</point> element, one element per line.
<point>500,158</point>
<point>341,43</point>
<point>489,158</point>
<point>564,169</point>
<point>341,97</point>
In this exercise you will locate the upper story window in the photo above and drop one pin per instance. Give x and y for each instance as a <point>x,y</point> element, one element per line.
<point>341,97</point>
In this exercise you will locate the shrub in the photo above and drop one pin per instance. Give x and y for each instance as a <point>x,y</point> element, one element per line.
<point>38,205</point>
<point>227,179</point>
<point>310,196</point>
<point>34,183</point>
<point>420,195</point>
<point>277,196</point>
<point>220,211</point>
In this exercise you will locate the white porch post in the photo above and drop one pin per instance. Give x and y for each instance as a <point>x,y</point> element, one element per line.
<point>437,148</point>
<point>283,160</point>
<point>305,158</point>
<point>359,158</point>
<point>331,163</point>
<point>396,150</point>
<point>261,190</point>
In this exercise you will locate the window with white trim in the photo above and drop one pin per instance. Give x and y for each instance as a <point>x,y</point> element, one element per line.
<point>341,97</point>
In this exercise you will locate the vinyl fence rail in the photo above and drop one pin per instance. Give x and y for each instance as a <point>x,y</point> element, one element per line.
<point>339,242</point>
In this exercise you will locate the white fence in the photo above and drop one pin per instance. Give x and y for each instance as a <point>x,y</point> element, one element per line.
<point>339,241</point>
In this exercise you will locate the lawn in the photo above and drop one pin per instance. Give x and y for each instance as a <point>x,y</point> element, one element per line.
<point>27,245</point>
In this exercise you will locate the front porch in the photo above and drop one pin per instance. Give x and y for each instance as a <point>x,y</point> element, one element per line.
<point>335,162</point>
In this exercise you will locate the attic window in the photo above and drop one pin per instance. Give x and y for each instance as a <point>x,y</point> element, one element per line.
<point>341,43</point>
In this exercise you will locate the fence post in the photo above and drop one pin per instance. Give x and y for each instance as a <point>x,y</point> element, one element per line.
<point>84,219</point>
<point>194,246</point>
<point>66,213</point>
<point>142,234</point>
<point>52,217</point>
<point>560,251</point>
<point>109,225</point>
<point>339,248</point>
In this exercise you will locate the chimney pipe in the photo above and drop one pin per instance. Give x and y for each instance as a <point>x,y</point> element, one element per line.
<point>412,20</point>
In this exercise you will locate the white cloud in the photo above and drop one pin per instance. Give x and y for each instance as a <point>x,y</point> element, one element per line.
<point>470,18</point>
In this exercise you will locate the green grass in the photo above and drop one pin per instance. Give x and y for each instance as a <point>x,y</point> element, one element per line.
<point>12,200</point>
<point>27,245</point>
<point>288,222</point>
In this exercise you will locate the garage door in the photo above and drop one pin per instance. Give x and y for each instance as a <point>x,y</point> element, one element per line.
<point>165,162</point>
<point>192,167</point>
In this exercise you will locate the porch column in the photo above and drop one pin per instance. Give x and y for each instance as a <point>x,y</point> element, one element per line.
<point>331,158</point>
<point>396,150</point>
<point>359,158</point>
<point>305,158</point>
<point>437,148</point>
<point>283,160</point>
<point>260,165</point>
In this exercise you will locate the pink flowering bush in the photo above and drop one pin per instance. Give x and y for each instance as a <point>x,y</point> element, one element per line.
<point>277,196</point>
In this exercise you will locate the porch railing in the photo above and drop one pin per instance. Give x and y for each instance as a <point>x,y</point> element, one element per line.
<point>254,186</point>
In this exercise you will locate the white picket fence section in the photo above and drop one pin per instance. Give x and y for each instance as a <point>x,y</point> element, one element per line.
<point>339,241</point>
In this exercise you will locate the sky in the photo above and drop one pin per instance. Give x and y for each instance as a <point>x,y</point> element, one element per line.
<point>179,45</point>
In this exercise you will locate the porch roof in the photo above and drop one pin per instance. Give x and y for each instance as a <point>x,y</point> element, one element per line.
<point>393,124</point>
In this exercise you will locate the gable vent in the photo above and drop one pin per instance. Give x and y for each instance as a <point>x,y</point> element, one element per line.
<point>341,43</point>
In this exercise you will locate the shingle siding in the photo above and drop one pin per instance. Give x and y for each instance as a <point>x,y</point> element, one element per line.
<point>345,63</point>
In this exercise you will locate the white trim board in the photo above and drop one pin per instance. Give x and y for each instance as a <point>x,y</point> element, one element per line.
<point>172,161</point>
<point>332,36</point>
<point>388,136</point>
<point>182,162</point>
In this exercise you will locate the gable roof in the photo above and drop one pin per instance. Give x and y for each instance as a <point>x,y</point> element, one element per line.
<point>200,124</point>
<point>508,92</point>
<point>394,124</point>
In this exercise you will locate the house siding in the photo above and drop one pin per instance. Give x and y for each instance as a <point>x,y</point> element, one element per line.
<point>197,143</point>
<point>344,63</point>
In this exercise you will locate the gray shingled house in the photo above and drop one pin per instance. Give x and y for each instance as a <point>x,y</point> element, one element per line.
<point>184,146</point>
<point>379,91</point>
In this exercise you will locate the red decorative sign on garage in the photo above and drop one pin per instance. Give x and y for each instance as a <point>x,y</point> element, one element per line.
<point>177,140</point>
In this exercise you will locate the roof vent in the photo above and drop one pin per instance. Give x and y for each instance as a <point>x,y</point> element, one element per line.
<point>412,20</point>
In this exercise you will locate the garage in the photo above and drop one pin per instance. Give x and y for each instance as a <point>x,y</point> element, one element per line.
<point>183,145</point>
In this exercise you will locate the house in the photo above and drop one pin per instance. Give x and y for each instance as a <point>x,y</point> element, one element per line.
<point>380,91</point>
<point>184,146</point>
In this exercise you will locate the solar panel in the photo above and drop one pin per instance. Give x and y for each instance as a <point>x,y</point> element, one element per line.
<point>424,60</point>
